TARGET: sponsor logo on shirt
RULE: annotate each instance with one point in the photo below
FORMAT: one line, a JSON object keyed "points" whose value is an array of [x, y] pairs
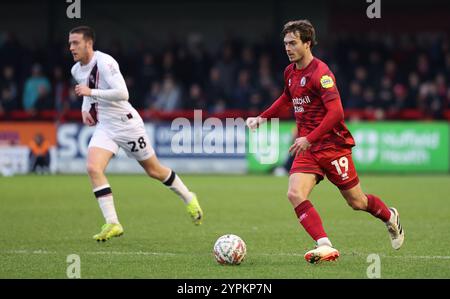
{"points": [[299, 102], [326, 81]]}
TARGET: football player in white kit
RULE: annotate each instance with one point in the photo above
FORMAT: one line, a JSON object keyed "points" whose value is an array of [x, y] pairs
{"points": [[118, 124]]}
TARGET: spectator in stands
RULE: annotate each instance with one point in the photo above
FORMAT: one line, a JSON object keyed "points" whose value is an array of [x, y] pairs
{"points": [[400, 99], [39, 154], [36, 91], [385, 94], [200, 60], [274, 93], [147, 72], [375, 66], [390, 70], [168, 64], [196, 98], [266, 78], [8, 90], [255, 103], [413, 87], [447, 65], [242, 91], [354, 99], [248, 60], [169, 97], [361, 76], [74, 102], [441, 86], [423, 68], [45, 100], [151, 95], [227, 68], [60, 91], [429, 101], [369, 101], [215, 91], [374, 70]]}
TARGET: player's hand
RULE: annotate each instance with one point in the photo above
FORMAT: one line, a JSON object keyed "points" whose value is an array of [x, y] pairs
{"points": [[88, 120], [82, 91], [253, 122], [300, 145]]}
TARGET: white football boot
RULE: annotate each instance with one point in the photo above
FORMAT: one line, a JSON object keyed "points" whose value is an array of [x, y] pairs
{"points": [[321, 253], [395, 230]]}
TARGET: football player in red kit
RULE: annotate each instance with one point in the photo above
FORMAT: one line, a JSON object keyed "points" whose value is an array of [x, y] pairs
{"points": [[324, 144]]}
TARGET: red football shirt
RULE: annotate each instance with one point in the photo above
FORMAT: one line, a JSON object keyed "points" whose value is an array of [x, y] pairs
{"points": [[313, 94]]}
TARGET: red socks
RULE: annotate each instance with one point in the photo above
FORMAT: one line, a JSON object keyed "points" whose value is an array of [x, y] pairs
{"points": [[310, 220], [377, 208]]}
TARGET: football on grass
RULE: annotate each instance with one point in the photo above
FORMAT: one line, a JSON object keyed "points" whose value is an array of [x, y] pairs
{"points": [[230, 250]]}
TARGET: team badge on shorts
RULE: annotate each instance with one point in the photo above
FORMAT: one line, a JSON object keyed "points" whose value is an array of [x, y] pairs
{"points": [[326, 81], [303, 81]]}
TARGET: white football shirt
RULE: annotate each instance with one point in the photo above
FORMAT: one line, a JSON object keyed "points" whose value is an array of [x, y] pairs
{"points": [[110, 93]]}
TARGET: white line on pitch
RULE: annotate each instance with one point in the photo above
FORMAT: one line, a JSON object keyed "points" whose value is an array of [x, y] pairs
{"points": [[21, 251], [92, 252]]}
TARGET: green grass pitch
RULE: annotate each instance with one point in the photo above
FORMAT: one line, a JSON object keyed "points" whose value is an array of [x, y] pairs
{"points": [[46, 218]]}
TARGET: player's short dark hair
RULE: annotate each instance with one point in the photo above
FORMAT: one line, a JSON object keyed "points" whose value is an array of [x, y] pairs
{"points": [[303, 28], [88, 32]]}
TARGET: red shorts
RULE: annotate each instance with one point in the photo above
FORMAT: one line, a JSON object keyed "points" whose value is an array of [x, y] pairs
{"points": [[335, 163]]}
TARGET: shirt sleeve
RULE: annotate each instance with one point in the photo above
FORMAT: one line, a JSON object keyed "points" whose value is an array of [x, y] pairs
{"points": [[86, 106], [282, 104], [326, 88], [334, 115], [325, 85], [110, 72]]}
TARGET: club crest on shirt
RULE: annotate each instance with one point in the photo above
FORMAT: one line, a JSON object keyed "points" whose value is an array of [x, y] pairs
{"points": [[303, 81], [326, 81]]}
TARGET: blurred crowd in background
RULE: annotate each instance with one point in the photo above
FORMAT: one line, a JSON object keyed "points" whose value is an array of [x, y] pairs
{"points": [[382, 73]]}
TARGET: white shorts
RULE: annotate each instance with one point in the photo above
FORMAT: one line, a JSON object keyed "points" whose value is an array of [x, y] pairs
{"points": [[133, 140]]}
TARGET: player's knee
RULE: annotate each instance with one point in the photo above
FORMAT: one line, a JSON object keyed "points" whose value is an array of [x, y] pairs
{"points": [[154, 173], [295, 196], [356, 203], [93, 170]]}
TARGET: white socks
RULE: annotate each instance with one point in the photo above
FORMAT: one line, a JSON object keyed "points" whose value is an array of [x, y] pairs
{"points": [[392, 218], [324, 241], [105, 198], [176, 185], [105, 201]]}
